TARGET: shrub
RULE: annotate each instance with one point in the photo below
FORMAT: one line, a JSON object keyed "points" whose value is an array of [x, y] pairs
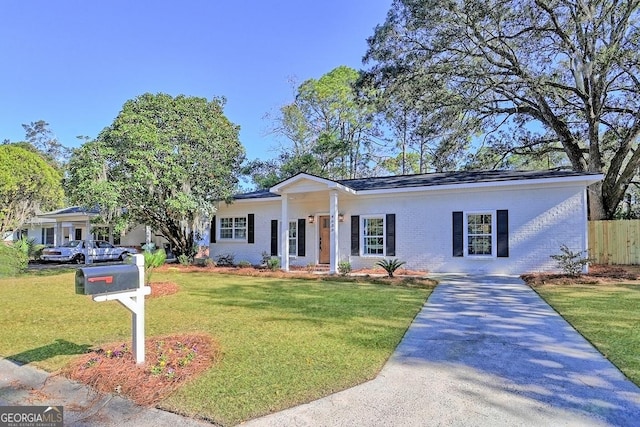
{"points": [[570, 262], [244, 264], [153, 259], [266, 256], [273, 263], [12, 260], [344, 267], [29, 247], [184, 259], [390, 265], [224, 260]]}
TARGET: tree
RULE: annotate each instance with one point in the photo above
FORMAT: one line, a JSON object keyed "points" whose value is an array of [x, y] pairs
{"points": [[163, 162], [28, 185], [553, 75], [42, 138], [331, 130]]}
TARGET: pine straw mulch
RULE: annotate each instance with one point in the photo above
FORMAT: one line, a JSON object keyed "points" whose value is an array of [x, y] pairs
{"points": [[598, 274], [170, 361], [162, 289], [402, 277]]}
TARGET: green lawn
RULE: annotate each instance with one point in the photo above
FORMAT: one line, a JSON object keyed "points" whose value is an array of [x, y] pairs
{"points": [[284, 341], [607, 315]]}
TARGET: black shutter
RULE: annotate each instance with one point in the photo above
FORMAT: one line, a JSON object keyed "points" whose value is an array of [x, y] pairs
{"points": [[274, 237], [212, 236], [251, 222], [502, 220], [391, 234], [44, 242], [355, 235], [458, 234], [301, 237]]}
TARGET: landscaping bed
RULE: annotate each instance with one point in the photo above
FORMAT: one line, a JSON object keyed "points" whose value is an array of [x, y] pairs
{"points": [[597, 274]]}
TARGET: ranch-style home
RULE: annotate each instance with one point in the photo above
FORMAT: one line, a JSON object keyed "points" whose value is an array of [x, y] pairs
{"points": [[496, 222]]}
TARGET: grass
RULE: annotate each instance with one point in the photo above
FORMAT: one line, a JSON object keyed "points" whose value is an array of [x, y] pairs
{"points": [[607, 315], [284, 341]]}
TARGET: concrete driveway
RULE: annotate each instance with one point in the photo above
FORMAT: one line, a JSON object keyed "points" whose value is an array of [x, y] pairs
{"points": [[484, 351]]}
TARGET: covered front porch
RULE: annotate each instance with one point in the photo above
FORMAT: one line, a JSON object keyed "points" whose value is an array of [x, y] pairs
{"points": [[310, 203], [74, 223]]}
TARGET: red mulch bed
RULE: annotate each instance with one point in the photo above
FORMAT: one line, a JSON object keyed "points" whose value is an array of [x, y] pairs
{"points": [[597, 274], [169, 362]]}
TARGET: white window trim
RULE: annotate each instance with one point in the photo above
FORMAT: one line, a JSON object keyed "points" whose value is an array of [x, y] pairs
{"points": [[494, 238], [363, 237], [295, 247], [231, 239]]}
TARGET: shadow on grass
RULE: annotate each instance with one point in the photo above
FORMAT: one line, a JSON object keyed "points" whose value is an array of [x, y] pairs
{"points": [[375, 315], [58, 348]]}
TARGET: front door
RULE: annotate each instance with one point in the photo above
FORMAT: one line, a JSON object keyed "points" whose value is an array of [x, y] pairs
{"points": [[325, 240]]}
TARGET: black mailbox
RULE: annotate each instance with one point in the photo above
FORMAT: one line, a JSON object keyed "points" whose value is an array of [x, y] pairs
{"points": [[106, 279]]}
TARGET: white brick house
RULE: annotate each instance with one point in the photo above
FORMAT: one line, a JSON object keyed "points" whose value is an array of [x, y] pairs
{"points": [[501, 222]]}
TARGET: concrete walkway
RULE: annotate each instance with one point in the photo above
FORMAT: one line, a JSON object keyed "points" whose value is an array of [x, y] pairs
{"points": [[484, 351]]}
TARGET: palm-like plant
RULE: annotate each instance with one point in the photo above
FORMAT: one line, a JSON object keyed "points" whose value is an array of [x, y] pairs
{"points": [[390, 265], [153, 259]]}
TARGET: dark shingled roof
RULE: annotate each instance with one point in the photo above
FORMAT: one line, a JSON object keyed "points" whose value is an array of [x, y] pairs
{"points": [[435, 179], [72, 210], [453, 178], [260, 194]]}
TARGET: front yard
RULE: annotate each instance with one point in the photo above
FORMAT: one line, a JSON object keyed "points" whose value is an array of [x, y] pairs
{"points": [[607, 314], [283, 341]]}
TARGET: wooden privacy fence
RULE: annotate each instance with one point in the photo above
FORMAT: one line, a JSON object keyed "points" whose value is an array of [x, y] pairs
{"points": [[614, 242]]}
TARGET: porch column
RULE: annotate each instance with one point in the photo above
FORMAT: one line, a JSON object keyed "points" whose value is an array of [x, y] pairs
{"points": [[334, 252], [57, 235], [88, 243], [284, 234]]}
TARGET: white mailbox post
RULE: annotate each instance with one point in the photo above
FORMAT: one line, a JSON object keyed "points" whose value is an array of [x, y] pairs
{"points": [[132, 299]]}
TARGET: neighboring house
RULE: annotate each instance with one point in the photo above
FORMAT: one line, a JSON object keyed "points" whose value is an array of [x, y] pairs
{"points": [[502, 222], [74, 223]]}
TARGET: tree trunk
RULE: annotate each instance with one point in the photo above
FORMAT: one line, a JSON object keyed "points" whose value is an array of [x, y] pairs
{"points": [[597, 208]]}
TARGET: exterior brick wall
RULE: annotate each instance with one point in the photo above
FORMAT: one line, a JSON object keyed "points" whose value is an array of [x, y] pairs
{"points": [[541, 219]]}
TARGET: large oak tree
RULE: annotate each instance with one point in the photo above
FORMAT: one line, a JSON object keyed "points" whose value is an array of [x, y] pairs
{"points": [[537, 76], [163, 162]]}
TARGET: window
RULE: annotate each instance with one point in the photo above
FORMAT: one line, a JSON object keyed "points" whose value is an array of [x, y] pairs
{"points": [[101, 233], [373, 236], [293, 238], [480, 235], [233, 228], [48, 236]]}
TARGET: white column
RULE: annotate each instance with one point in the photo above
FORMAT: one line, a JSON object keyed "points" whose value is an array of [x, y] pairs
{"points": [[88, 243], [284, 234], [57, 235], [335, 253]]}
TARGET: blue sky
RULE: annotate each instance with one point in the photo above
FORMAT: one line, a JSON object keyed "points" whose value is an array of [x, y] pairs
{"points": [[73, 63]]}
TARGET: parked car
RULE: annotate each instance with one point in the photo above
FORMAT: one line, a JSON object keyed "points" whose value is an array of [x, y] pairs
{"points": [[74, 251]]}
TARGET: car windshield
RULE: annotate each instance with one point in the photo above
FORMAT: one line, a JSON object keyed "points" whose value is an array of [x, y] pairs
{"points": [[72, 244]]}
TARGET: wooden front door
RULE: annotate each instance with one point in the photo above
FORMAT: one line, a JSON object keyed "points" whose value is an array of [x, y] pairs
{"points": [[324, 241]]}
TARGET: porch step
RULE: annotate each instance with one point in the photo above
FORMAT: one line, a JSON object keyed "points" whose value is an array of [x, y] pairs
{"points": [[312, 268]]}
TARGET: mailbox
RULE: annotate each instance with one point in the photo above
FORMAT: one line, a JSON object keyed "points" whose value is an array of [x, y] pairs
{"points": [[107, 279]]}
